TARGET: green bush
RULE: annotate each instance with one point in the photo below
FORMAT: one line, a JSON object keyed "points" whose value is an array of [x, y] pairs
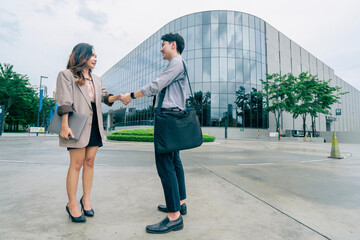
{"points": [[143, 135]]}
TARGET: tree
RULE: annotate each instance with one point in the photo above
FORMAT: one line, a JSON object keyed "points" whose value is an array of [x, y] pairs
{"points": [[279, 93], [20, 99], [324, 97]]}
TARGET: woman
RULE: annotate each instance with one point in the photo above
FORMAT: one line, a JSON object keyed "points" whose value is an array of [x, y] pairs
{"points": [[77, 89]]}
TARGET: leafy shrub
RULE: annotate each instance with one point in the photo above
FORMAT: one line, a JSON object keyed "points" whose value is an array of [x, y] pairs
{"points": [[143, 135]]}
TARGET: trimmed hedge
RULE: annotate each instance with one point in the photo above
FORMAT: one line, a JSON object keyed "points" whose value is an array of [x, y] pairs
{"points": [[143, 135]]}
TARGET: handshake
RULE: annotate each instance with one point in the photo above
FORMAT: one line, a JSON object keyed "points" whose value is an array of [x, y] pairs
{"points": [[124, 98]]}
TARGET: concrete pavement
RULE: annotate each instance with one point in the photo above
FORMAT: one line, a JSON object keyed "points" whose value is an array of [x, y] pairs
{"points": [[237, 189]]}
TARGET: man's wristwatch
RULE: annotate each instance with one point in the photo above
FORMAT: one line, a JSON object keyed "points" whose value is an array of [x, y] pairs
{"points": [[132, 95]]}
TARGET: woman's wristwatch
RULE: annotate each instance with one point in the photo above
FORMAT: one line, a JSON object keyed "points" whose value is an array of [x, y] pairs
{"points": [[132, 95]]}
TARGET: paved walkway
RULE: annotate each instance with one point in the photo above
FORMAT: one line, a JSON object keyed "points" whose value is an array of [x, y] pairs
{"points": [[237, 189]]}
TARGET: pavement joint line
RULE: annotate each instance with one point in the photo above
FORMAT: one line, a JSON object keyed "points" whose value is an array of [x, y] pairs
{"points": [[254, 164], [43, 163], [261, 200]]}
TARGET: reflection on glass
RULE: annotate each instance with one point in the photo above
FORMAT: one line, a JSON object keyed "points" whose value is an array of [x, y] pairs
{"points": [[246, 41], [223, 69], [239, 36], [206, 36], [198, 37], [206, 69], [222, 36], [214, 69], [214, 35], [222, 17], [231, 70], [230, 36]]}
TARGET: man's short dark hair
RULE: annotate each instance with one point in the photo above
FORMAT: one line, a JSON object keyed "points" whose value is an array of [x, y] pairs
{"points": [[171, 37]]}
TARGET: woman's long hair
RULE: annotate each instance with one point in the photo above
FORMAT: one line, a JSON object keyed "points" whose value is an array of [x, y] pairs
{"points": [[81, 53]]}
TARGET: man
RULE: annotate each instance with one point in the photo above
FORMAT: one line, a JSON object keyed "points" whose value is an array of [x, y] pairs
{"points": [[169, 165]]}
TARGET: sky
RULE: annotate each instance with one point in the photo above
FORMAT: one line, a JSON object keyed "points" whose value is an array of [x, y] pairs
{"points": [[37, 37]]}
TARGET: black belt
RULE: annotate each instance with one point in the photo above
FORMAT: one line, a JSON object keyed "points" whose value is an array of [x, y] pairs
{"points": [[173, 109]]}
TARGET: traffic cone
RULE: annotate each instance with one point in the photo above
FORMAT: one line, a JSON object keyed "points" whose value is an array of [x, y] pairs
{"points": [[335, 151]]}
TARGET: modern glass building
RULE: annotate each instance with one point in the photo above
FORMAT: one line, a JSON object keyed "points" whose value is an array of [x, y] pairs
{"points": [[227, 53]]}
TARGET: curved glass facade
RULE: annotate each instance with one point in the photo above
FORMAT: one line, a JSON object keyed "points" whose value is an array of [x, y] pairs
{"points": [[226, 56]]}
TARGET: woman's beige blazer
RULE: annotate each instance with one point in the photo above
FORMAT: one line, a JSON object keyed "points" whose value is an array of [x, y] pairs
{"points": [[72, 97]]}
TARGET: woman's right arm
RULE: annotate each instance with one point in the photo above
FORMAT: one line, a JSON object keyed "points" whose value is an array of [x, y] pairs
{"points": [[65, 130], [64, 99]]}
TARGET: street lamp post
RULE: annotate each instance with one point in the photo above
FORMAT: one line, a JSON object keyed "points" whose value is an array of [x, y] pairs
{"points": [[41, 77]]}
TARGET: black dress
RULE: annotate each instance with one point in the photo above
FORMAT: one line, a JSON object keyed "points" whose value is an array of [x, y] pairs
{"points": [[95, 137]]}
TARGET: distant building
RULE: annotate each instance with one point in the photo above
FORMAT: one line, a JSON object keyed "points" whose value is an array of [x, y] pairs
{"points": [[227, 52]]}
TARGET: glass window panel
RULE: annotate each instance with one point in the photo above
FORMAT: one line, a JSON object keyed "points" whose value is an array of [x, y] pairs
{"points": [[198, 53], [191, 20], [191, 54], [231, 70], [230, 36], [206, 69], [198, 87], [246, 54], [223, 88], [245, 19], [223, 101], [263, 43], [214, 52], [206, 18], [246, 71], [231, 52], [223, 52], [190, 41], [206, 87], [239, 53], [222, 17], [238, 18], [230, 17], [172, 26], [252, 39], [215, 87], [177, 24], [206, 52], [251, 21], [231, 87], [214, 69], [214, 35], [239, 70], [258, 41], [198, 37], [253, 72], [191, 70], [184, 21], [215, 116], [239, 36], [198, 70], [258, 73], [206, 36], [223, 69], [214, 17], [214, 100], [198, 18], [262, 26], [258, 57], [222, 35], [257, 23], [252, 56]]}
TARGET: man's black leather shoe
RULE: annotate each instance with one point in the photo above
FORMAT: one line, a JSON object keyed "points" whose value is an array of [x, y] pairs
{"points": [[166, 226], [183, 209]]}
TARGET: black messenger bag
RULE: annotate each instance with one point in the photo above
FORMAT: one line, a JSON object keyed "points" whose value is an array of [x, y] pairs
{"points": [[176, 129]]}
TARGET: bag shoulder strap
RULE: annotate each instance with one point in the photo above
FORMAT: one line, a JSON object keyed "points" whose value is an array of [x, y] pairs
{"points": [[163, 91]]}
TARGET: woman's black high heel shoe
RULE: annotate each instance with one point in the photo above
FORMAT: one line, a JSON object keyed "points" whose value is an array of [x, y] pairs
{"points": [[82, 218], [89, 213]]}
